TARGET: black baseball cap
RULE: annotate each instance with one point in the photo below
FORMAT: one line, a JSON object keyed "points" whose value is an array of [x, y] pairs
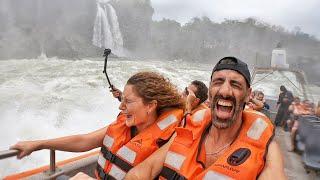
{"points": [[235, 64]]}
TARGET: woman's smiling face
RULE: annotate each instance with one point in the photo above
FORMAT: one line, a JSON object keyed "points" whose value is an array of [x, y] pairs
{"points": [[133, 106]]}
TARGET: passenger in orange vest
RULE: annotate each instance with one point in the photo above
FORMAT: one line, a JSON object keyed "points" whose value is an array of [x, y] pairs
{"points": [[225, 142], [317, 111], [255, 103], [304, 108], [294, 109], [195, 95], [151, 108]]}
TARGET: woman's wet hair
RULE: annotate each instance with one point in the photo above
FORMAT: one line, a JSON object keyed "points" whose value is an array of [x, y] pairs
{"points": [[153, 86]]}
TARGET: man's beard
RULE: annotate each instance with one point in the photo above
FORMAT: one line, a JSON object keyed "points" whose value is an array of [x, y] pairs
{"points": [[226, 123]]}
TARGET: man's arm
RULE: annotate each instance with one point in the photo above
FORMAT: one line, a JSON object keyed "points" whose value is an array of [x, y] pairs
{"points": [[151, 167], [274, 164], [191, 100]]}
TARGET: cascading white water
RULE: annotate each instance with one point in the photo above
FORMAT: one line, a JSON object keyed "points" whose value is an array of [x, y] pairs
{"points": [[106, 31], [117, 36]]}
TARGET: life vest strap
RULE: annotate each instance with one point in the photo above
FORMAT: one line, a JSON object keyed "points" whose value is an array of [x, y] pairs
{"points": [[102, 175], [171, 174], [114, 159]]}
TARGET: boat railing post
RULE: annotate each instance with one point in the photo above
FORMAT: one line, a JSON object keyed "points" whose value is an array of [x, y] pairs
{"points": [[52, 161]]}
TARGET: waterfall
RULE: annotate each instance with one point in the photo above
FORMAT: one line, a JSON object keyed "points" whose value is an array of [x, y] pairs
{"points": [[106, 30], [117, 36]]}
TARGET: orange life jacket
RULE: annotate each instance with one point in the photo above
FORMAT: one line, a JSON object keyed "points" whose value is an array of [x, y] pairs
{"points": [[244, 159], [199, 107], [120, 152]]}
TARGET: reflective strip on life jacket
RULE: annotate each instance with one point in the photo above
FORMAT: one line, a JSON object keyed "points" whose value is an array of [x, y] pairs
{"points": [[174, 159], [256, 129], [199, 115], [101, 160], [215, 175], [127, 154], [108, 141], [117, 173], [163, 124]]}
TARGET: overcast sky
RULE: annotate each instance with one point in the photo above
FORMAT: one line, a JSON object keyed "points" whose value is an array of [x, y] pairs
{"points": [[287, 13]]}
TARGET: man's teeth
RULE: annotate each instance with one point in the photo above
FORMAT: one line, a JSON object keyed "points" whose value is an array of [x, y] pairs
{"points": [[224, 103]]}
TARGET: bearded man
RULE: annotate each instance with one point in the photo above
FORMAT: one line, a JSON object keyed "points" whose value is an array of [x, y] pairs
{"points": [[223, 142]]}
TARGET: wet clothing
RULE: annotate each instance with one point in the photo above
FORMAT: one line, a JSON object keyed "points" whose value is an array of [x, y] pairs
{"points": [[244, 159], [284, 101], [121, 150]]}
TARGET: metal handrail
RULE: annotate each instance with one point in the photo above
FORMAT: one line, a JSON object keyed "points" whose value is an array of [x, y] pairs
{"points": [[53, 171], [8, 153], [13, 152]]}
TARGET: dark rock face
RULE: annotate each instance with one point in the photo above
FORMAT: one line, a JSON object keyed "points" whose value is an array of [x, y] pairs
{"points": [[135, 18]]}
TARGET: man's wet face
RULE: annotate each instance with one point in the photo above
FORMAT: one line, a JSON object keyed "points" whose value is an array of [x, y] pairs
{"points": [[228, 93]]}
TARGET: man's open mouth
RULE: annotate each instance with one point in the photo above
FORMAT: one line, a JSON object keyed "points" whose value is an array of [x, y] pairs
{"points": [[224, 108]]}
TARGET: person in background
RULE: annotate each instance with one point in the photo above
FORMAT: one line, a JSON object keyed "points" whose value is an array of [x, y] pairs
{"points": [[151, 108], [283, 103], [293, 108], [195, 95], [304, 108], [260, 97], [317, 111], [254, 102]]}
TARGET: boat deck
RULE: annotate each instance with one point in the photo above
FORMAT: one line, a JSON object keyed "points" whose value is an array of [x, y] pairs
{"points": [[294, 168]]}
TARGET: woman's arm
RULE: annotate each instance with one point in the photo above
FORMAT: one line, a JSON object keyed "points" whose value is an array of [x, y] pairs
{"points": [[73, 143]]}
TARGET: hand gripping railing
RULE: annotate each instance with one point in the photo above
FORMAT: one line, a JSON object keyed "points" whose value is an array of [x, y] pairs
{"points": [[12, 152], [8, 153]]}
